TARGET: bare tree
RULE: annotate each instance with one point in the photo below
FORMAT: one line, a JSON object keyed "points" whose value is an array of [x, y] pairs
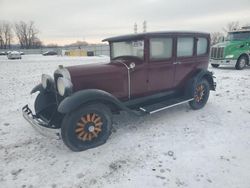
{"points": [[1, 36], [27, 34], [6, 34], [231, 26], [216, 37]]}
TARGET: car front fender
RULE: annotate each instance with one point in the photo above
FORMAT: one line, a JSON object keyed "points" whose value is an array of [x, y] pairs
{"points": [[80, 98], [38, 87]]}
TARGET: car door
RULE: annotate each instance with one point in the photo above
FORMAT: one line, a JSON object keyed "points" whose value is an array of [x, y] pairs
{"points": [[185, 61], [160, 66]]}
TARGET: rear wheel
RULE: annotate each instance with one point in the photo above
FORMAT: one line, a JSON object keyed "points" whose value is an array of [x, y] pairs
{"points": [[201, 94], [215, 65], [86, 127], [241, 62]]}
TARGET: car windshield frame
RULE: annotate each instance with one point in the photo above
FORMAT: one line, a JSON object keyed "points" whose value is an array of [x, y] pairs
{"points": [[238, 36], [137, 44]]}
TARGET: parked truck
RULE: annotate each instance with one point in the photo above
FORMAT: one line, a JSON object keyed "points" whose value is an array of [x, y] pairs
{"points": [[234, 50]]}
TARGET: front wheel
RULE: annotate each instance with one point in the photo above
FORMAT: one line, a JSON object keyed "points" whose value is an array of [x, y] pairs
{"points": [[201, 95], [241, 62], [86, 127]]}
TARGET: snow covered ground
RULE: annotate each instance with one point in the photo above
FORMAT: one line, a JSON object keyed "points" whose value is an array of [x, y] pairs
{"points": [[177, 147]]}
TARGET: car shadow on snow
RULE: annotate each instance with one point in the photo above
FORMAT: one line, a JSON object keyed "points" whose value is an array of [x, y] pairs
{"points": [[125, 122]]}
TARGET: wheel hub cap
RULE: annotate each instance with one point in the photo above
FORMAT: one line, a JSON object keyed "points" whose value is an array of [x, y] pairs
{"points": [[242, 63], [91, 128]]}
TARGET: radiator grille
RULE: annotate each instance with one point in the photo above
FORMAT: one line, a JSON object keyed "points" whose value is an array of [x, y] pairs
{"points": [[217, 52]]}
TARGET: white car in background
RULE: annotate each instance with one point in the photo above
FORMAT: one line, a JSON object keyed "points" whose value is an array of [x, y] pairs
{"points": [[14, 55]]}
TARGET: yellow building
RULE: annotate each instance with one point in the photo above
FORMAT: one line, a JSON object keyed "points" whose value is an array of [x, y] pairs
{"points": [[76, 52]]}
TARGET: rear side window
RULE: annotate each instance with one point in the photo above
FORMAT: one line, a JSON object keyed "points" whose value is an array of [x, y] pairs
{"points": [[161, 48], [201, 46], [185, 46]]}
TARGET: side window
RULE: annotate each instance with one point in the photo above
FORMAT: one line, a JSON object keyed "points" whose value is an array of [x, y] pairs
{"points": [[161, 48], [185, 46], [201, 46]]}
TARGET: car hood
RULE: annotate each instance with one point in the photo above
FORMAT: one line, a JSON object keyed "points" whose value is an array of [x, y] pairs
{"points": [[110, 77], [90, 69], [228, 44]]}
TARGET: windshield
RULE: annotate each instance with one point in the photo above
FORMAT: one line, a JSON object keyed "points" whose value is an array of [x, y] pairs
{"points": [[238, 36], [128, 48]]}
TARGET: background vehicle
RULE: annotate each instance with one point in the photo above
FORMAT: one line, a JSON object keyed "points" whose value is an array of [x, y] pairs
{"points": [[14, 55], [3, 53], [148, 73], [49, 53], [235, 50]]}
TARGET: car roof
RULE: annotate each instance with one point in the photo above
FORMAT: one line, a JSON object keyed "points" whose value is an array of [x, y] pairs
{"points": [[151, 34]]}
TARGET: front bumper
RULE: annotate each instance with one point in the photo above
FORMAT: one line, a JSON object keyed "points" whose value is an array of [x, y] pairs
{"points": [[40, 125], [223, 61]]}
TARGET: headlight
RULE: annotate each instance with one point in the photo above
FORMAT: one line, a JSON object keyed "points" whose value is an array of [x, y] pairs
{"points": [[64, 86], [47, 81], [229, 56]]}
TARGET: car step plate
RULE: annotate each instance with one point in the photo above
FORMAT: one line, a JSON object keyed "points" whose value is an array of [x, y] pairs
{"points": [[157, 107]]}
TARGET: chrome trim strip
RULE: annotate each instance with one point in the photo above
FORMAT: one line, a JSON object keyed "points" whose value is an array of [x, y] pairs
{"points": [[166, 107], [129, 80]]}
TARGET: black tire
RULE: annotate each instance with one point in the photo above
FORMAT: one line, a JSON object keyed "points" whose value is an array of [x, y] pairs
{"points": [[241, 62], [215, 65], [201, 92], [79, 132]]}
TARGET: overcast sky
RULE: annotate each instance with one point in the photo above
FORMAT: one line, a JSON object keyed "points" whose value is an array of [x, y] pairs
{"points": [[65, 21]]}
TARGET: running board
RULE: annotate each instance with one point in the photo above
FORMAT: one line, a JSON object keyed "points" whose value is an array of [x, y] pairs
{"points": [[151, 109]]}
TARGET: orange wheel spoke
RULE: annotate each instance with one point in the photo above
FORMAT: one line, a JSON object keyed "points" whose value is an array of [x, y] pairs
{"points": [[94, 134], [81, 134], [80, 124], [85, 136], [98, 124], [88, 118], [97, 119], [98, 129], [93, 117], [90, 137], [84, 120], [79, 129]]}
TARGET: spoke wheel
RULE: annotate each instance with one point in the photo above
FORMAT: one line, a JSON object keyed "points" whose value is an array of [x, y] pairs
{"points": [[88, 127], [201, 93], [241, 62]]}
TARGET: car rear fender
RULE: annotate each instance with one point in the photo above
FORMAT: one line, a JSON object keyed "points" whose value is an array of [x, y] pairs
{"points": [[90, 96], [200, 74], [205, 74]]}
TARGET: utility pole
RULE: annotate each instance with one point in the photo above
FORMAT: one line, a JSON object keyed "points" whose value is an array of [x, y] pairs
{"points": [[144, 26], [135, 28]]}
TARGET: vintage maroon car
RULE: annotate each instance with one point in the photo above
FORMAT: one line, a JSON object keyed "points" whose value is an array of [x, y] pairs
{"points": [[147, 73]]}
